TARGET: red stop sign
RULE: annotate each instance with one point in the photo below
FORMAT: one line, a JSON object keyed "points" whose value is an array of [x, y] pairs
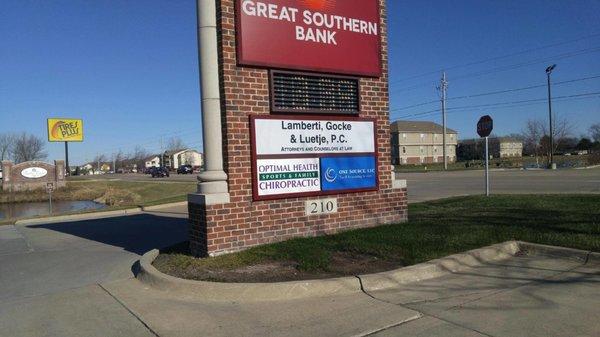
{"points": [[485, 126]]}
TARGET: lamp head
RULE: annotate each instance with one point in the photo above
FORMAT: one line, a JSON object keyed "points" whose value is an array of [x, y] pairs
{"points": [[550, 68]]}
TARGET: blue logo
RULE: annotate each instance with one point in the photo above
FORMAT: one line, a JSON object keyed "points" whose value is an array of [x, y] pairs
{"points": [[348, 173]]}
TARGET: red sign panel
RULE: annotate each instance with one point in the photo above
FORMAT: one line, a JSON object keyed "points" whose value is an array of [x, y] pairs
{"points": [[333, 36], [485, 126]]}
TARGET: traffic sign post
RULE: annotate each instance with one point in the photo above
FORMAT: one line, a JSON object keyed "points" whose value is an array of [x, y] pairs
{"points": [[50, 189], [484, 129]]}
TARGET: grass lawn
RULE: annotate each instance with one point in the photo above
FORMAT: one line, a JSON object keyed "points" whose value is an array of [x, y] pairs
{"points": [[116, 193], [435, 229]]}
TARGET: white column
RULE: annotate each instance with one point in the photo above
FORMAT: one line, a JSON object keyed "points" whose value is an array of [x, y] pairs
{"points": [[212, 183]]}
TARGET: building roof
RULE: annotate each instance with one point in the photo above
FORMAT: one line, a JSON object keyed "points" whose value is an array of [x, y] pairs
{"points": [[172, 152], [509, 140], [419, 126], [149, 158], [499, 139]]}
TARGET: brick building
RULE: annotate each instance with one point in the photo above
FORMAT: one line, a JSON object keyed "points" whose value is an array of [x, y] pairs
{"points": [[421, 142], [241, 222]]}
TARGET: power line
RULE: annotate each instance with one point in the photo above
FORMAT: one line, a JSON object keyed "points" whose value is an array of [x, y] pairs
{"points": [[531, 62], [500, 92], [511, 67], [499, 57], [512, 103], [516, 105]]}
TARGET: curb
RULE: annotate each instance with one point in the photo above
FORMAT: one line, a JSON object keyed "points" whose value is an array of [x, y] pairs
{"points": [[259, 292], [161, 206], [439, 267], [583, 256], [587, 167], [218, 291], [222, 292], [78, 217]]}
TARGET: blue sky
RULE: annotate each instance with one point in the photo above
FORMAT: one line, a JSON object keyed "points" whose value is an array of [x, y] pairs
{"points": [[129, 68]]}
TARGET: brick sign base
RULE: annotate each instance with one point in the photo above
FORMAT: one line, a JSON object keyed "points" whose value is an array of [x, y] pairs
{"points": [[243, 222], [13, 179]]}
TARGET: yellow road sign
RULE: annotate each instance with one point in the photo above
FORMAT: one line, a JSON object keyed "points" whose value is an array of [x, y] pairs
{"points": [[65, 130]]}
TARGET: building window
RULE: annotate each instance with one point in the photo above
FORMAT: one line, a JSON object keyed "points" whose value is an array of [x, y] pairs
{"points": [[404, 149], [422, 136], [435, 149], [421, 148], [404, 135]]}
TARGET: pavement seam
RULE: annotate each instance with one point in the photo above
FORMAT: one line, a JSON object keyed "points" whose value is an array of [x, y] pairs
{"points": [[24, 238], [443, 298], [509, 289], [420, 315], [387, 327], [129, 310], [459, 325]]}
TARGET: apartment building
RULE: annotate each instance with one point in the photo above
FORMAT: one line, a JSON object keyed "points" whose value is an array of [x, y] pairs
{"points": [[421, 142]]}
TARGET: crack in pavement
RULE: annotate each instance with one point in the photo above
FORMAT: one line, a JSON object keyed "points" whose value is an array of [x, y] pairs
{"points": [[129, 310]]}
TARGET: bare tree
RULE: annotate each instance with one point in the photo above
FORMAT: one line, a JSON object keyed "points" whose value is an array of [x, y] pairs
{"points": [[175, 143], [118, 159], [595, 132], [7, 142], [98, 161], [532, 134], [561, 131], [138, 156], [28, 147]]}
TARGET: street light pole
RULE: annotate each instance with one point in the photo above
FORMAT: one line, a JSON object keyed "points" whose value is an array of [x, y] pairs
{"points": [[548, 72]]}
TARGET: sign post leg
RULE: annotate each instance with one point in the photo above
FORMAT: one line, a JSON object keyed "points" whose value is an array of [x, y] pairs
{"points": [[50, 202], [67, 159], [487, 168]]}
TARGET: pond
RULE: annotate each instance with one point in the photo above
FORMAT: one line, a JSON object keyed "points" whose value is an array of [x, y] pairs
{"points": [[35, 209]]}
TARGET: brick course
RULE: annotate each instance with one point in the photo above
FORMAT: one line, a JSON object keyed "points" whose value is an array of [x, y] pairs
{"points": [[243, 223]]}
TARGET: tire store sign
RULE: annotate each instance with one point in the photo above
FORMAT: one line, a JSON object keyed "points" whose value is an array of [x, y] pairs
{"points": [[311, 156]]}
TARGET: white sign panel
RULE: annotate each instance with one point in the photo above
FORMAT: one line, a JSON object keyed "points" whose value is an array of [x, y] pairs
{"points": [[291, 136], [287, 176], [34, 172]]}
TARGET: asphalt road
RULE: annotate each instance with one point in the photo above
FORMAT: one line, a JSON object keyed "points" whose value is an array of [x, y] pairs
{"points": [[436, 185]]}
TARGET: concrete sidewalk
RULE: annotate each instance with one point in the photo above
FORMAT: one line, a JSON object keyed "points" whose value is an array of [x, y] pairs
{"points": [[527, 295], [76, 279]]}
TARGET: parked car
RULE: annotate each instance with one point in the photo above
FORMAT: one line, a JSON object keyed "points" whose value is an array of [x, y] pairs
{"points": [[185, 169], [159, 172]]}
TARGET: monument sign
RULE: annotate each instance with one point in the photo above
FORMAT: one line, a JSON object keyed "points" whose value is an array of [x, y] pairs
{"points": [[295, 117]]}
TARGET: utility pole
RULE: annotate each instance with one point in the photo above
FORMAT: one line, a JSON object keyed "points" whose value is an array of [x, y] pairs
{"points": [[551, 155], [443, 88], [98, 164], [162, 153]]}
